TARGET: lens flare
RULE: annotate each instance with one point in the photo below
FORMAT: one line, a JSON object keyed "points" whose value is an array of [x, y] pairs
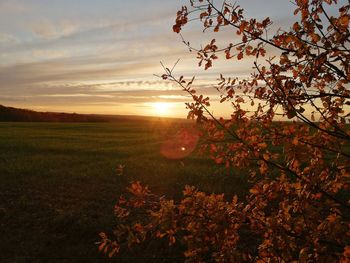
{"points": [[181, 144]]}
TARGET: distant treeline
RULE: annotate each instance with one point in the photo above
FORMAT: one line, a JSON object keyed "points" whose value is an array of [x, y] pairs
{"points": [[24, 115], [14, 114]]}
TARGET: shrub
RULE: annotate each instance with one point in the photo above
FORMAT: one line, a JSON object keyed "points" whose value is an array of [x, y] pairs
{"points": [[298, 207]]}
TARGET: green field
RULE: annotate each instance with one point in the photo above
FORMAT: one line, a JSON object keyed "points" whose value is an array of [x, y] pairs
{"points": [[58, 184]]}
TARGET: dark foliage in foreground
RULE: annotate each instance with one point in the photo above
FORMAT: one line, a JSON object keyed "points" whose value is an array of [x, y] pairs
{"points": [[298, 206]]}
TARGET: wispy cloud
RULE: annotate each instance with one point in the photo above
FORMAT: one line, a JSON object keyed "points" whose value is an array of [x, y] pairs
{"points": [[7, 39], [99, 55], [13, 7], [49, 30]]}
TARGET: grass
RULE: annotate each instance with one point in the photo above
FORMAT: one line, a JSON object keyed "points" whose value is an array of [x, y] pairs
{"points": [[58, 183]]}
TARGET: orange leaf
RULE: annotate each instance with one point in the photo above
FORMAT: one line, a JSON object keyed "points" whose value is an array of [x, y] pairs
{"points": [[254, 191]]}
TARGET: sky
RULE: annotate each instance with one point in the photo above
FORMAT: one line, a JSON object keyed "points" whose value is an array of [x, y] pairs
{"points": [[100, 57]]}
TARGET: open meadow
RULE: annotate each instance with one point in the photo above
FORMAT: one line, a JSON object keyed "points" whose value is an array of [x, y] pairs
{"points": [[59, 182]]}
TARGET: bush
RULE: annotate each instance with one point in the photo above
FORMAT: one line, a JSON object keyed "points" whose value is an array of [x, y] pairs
{"points": [[298, 207]]}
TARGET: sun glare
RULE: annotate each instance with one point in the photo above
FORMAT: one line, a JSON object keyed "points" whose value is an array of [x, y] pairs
{"points": [[161, 108]]}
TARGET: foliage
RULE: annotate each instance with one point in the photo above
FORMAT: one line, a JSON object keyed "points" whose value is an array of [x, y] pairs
{"points": [[298, 207]]}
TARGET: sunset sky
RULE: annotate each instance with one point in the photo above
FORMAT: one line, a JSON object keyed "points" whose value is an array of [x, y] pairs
{"points": [[90, 56]]}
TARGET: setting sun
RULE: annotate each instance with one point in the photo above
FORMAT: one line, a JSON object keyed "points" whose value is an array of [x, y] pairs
{"points": [[161, 108]]}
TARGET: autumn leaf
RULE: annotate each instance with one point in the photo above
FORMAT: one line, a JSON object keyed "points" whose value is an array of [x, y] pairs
{"points": [[284, 139]]}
